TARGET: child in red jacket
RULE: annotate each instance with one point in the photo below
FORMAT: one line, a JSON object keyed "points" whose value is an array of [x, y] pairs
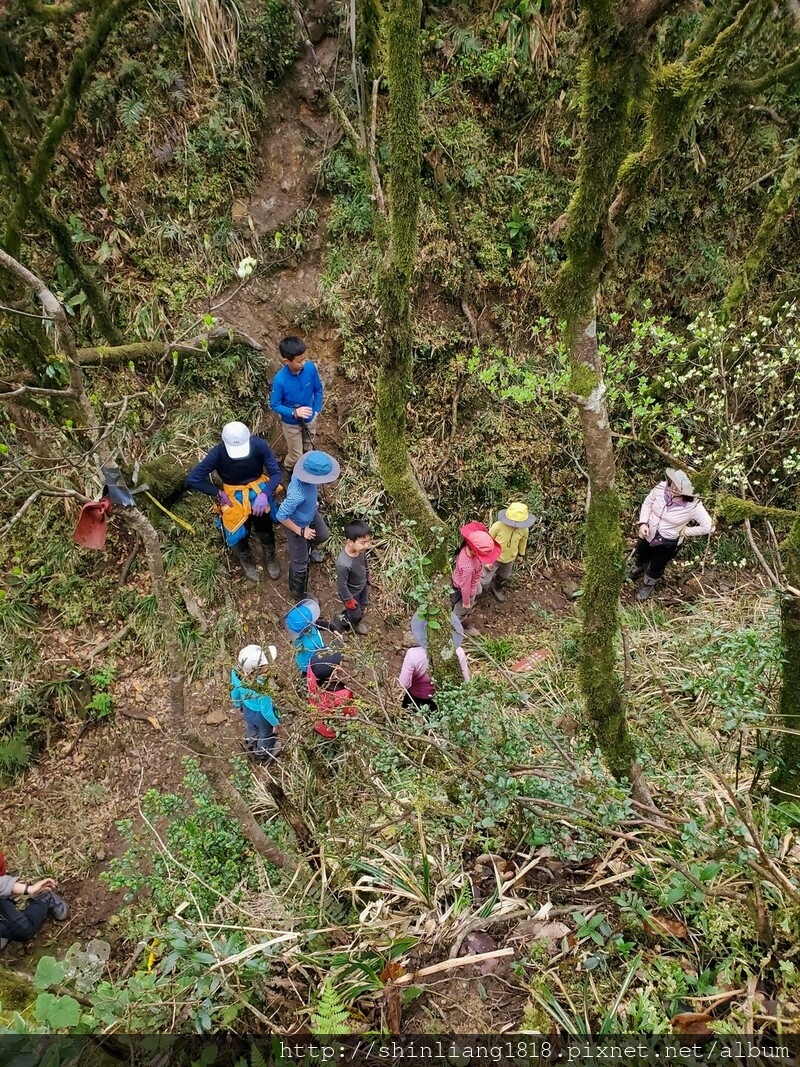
{"points": [[326, 694], [479, 550]]}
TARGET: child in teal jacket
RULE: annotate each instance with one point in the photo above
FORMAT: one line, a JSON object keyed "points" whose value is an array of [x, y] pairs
{"points": [[253, 698]]}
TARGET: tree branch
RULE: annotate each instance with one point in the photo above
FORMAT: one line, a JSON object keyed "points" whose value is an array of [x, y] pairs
{"points": [[62, 117], [768, 80], [54, 13]]}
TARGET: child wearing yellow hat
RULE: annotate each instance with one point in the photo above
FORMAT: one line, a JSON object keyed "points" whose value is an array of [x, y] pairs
{"points": [[511, 533]]}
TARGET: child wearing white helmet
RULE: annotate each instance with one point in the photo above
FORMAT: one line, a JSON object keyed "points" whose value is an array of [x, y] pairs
{"points": [[252, 693]]}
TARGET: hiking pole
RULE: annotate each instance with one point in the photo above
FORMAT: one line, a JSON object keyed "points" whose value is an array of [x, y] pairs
{"points": [[305, 436]]}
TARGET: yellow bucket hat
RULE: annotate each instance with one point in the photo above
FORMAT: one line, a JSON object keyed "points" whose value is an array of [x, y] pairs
{"points": [[516, 514]]}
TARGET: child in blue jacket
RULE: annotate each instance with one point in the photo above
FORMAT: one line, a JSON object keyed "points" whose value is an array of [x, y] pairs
{"points": [[253, 696], [305, 628]]}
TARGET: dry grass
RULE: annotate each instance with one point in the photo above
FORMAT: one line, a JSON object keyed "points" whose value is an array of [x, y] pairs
{"points": [[214, 26]]}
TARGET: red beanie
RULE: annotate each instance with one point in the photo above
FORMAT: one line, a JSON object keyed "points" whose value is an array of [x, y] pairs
{"points": [[2, 864]]}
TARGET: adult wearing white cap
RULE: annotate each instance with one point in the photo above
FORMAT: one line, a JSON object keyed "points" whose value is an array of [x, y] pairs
{"points": [[249, 472], [670, 512]]}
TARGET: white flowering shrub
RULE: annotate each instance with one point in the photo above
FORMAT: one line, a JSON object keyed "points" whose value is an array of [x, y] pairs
{"points": [[723, 400], [716, 398]]}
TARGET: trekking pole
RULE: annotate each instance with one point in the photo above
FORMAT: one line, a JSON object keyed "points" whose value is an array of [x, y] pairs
{"points": [[305, 436]]}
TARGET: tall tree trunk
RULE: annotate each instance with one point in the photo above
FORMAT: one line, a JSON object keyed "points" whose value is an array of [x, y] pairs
{"points": [[610, 74], [403, 73], [62, 116], [782, 200], [610, 187]]}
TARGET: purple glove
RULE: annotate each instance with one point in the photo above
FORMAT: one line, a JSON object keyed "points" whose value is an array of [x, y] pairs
{"points": [[224, 499], [260, 504]]}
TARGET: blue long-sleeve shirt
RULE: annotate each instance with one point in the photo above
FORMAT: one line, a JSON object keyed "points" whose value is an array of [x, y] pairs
{"points": [[236, 471], [300, 504], [290, 391]]}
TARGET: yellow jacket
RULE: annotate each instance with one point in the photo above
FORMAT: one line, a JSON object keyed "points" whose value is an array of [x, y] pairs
{"points": [[514, 540]]}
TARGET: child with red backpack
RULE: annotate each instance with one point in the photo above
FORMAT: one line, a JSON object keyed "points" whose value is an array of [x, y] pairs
{"points": [[326, 694], [478, 550]]}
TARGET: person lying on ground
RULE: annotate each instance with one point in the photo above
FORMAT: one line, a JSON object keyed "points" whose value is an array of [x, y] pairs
{"points": [[670, 513], [352, 575], [24, 924], [250, 474], [414, 678]]}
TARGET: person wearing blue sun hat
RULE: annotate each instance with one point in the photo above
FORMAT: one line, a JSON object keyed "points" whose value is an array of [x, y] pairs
{"points": [[299, 514], [309, 633]]}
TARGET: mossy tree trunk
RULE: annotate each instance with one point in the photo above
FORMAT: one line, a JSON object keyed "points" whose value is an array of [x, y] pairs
{"points": [[610, 74], [403, 73], [611, 188], [782, 200], [108, 17]]}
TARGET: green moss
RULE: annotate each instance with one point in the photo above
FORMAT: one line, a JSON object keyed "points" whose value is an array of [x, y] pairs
{"points": [[16, 992], [582, 379], [600, 612]]}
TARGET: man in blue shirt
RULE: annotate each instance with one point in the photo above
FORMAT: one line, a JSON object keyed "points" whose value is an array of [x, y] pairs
{"points": [[299, 514], [296, 397], [250, 474]]}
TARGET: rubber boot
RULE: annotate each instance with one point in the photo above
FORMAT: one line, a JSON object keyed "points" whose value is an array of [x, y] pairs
{"points": [[497, 592], [243, 554], [644, 590], [298, 584], [317, 555], [271, 565]]}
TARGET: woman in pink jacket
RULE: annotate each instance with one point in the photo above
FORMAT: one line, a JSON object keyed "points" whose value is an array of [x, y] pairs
{"points": [[670, 513], [479, 550]]}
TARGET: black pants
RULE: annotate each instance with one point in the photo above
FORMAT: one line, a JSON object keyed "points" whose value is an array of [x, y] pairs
{"points": [[356, 614], [418, 702], [264, 530], [19, 925], [653, 559]]}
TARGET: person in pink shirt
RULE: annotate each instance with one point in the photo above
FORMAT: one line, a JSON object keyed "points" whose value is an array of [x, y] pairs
{"points": [[670, 513], [414, 675], [479, 550]]}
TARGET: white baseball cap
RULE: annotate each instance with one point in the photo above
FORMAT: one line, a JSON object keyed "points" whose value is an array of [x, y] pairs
{"points": [[236, 438], [253, 656]]}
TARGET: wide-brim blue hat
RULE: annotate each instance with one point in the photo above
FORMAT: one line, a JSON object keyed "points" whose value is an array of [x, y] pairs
{"points": [[301, 616], [316, 468], [419, 628]]}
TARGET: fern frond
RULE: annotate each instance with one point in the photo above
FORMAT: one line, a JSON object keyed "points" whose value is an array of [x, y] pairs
{"points": [[257, 1057], [330, 1015]]}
